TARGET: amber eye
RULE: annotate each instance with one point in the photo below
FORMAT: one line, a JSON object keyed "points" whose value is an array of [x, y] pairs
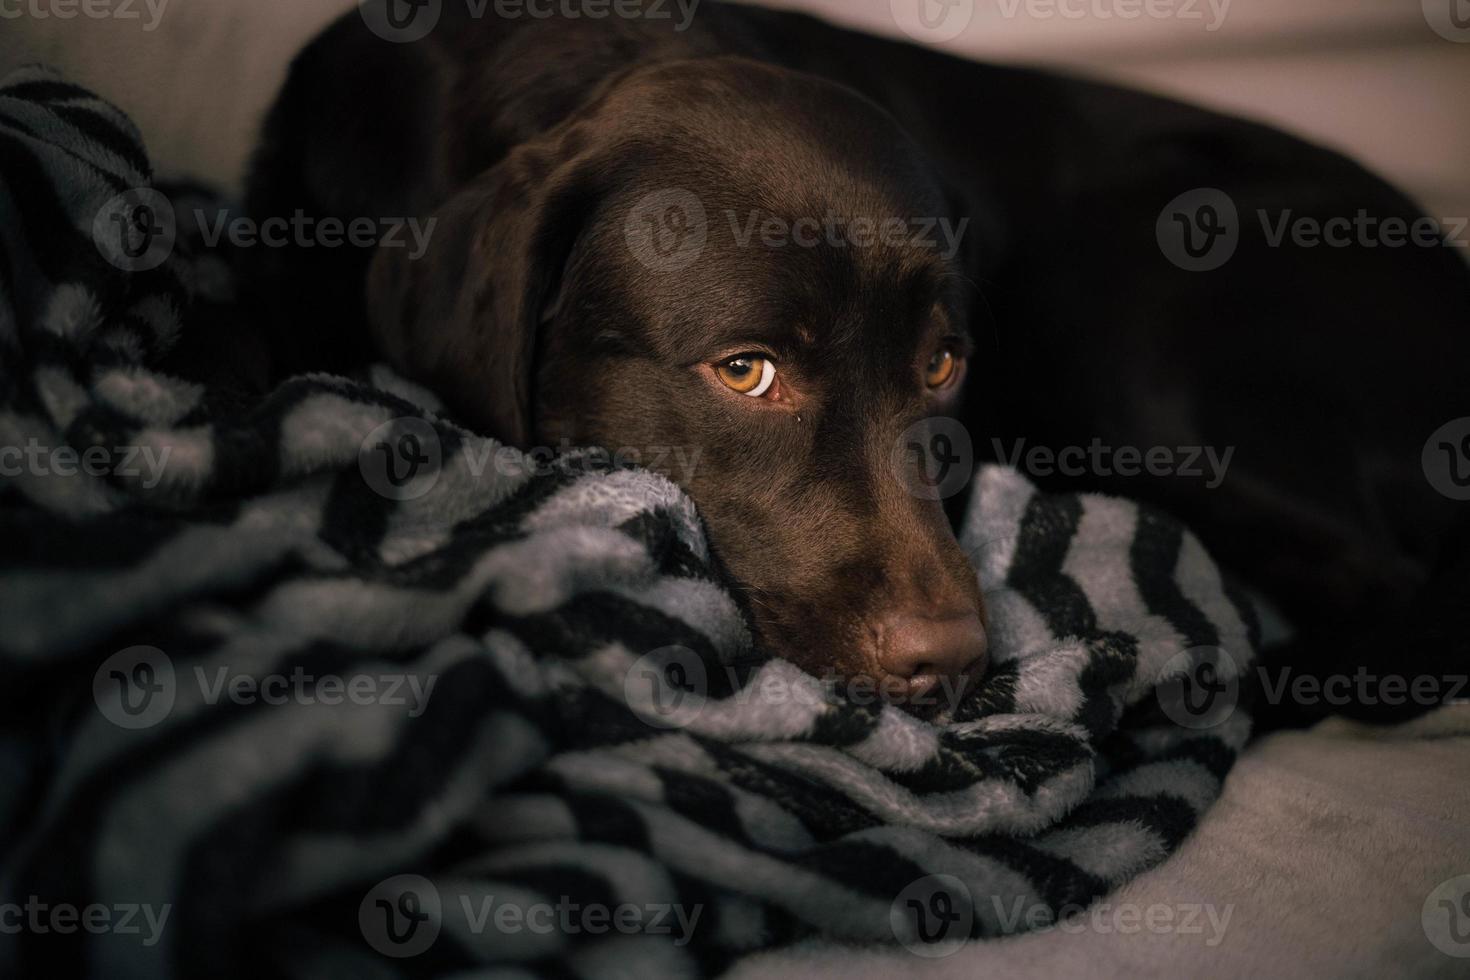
{"points": [[748, 374], [942, 368]]}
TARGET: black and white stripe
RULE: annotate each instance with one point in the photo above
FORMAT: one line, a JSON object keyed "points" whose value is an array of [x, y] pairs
{"points": [[536, 771]]}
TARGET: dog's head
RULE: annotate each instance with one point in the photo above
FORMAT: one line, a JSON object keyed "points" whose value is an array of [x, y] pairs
{"points": [[743, 277]]}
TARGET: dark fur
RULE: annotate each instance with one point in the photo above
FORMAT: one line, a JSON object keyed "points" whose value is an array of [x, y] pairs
{"points": [[1325, 368]]}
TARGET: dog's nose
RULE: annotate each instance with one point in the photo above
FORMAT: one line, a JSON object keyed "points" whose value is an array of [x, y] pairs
{"points": [[928, 661]]}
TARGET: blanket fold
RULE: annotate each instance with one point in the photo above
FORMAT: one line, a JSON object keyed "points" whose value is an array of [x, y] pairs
{"points": [[324, 684]]}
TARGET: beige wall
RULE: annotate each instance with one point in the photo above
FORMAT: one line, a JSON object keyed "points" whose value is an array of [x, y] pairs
{"points": [[1369, 77]]}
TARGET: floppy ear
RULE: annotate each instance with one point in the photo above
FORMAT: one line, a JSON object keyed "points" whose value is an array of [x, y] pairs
{"points": [[462, 317]]}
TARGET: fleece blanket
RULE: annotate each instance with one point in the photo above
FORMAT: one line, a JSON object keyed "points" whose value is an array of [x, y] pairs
{"points": [[1336, 852], [323, 684]]}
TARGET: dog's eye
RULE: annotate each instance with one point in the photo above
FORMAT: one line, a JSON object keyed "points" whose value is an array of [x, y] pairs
{"points": [[747, 374], [942, 368]]}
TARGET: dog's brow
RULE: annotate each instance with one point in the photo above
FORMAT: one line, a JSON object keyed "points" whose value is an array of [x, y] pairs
{"points": [[781, 340], [767, 328]]}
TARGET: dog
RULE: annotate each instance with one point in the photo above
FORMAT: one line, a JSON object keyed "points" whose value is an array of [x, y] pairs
{"points": [[727, 238]]}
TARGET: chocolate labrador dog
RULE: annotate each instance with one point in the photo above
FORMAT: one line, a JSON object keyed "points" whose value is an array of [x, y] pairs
{"points": [[784, 245]]}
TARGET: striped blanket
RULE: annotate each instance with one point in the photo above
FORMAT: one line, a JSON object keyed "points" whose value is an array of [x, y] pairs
{"points": [[322, 684]]}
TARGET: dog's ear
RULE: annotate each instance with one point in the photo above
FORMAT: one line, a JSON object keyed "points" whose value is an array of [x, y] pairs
{"points": [[462, 317]]}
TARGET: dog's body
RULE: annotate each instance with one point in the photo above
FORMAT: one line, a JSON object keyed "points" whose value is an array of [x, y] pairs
{"points": [[1320, 371]]}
